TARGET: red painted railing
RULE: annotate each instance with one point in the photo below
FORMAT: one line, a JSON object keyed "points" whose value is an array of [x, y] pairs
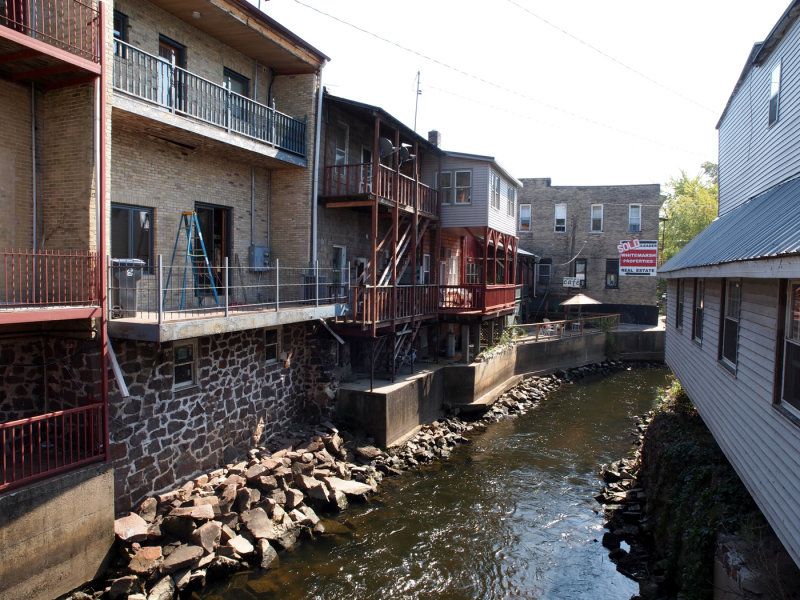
{"points": [[44, 278], [71, 25], [499, 297], [472, 297], [374, 304], [49, 444]]}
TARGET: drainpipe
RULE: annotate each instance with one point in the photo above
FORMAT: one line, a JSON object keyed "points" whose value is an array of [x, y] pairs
{"points": [[252, 206], [100, 195], [315, 186], [269, 210], [33, 160]]}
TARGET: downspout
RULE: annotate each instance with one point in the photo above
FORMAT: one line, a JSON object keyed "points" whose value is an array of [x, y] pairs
{"points": [[315, 185], [33, 161], [269, 210], [252, 206], [100, 148]]}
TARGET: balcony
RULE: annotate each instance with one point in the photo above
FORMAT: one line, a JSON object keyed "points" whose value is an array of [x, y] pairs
{"points": [[48, 285], [187, 96], [345, 182], [477, 298], [182, 302], [53, 41], [384, 304], [45, 445]]}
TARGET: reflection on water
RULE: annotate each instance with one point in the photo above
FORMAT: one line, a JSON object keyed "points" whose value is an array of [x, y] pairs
{"points": [[508, 516]]}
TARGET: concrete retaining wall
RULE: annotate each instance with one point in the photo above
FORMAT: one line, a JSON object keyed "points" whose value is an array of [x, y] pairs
{"points": [[56, 535], [390, 413]]}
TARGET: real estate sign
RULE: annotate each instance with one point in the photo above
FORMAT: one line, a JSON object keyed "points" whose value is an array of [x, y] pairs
{"points": [[638, 257]]}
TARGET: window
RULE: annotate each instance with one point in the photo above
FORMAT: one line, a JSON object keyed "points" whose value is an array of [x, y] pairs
{"points": [[697, 322], [425, 270], [525, 217], [597, 218], [790, 394], [463, 191], [340, 135], [472, 274], [132, 233], [775, 94], [512, 201], [580, 271], [495, 191], [543, 271], [730, 323], [184, 372], [271, 345], [634, 217], [612, 272], [560, 222], [679, 305], [446, 187], [238, 83]]}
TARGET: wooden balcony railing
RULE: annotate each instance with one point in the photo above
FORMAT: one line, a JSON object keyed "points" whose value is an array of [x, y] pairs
{"points": [[44, 278], [45, 445], [156, 80], [71, 25], [356, 179], [477, 297], [376, 304]]}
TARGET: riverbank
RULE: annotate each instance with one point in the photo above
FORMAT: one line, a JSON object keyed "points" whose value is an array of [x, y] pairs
{"points": [[245, 515], [691, 528]]}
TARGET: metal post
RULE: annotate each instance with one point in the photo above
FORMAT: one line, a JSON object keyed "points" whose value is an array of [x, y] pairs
{"points": [[227, 287], [172, 85], [228, 105], [160, 298], [277, 283], [316, 281], [346, 298]]}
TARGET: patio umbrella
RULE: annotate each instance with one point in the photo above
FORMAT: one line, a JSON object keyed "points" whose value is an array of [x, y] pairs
{"points": [[579, 300]]}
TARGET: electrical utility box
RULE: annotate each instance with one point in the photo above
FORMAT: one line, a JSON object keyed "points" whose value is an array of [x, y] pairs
{"points": [[258, 257]]}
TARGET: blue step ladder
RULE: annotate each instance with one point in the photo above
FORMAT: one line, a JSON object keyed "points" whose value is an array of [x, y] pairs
{"points": [[196, 259]]}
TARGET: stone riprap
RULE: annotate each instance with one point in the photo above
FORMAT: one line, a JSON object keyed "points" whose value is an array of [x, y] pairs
{"points": [[242, 515]]}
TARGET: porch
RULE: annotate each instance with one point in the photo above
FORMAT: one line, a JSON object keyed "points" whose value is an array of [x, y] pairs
{"points": [[468, 299], [56, 42], [384, 305]]}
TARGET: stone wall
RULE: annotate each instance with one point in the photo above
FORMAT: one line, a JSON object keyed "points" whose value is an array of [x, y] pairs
{"points": [[579, 242], [161, 436]]}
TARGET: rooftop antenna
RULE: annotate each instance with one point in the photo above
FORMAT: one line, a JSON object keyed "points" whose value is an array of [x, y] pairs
{"points": [[416, 104]]}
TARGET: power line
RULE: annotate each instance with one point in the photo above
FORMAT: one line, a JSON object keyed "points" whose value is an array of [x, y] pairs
{"points": [[610, 57]]}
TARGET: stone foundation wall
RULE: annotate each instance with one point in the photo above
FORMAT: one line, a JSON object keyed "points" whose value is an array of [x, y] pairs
{"points": [[161, 437]]}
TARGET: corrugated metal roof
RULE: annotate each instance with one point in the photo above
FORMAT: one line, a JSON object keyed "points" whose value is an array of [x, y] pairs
{"points": [[766, 226]]}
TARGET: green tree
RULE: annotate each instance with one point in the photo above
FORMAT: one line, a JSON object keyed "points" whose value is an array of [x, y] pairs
{"points": [[690, 206]]}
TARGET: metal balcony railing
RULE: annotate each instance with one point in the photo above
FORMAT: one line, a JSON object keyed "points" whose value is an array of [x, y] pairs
{"points": [[158, 81], [48, 444], [45, 279], [71, 25]]}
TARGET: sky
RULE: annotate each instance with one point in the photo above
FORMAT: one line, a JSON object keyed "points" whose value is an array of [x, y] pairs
{"points": [[585, 92]]}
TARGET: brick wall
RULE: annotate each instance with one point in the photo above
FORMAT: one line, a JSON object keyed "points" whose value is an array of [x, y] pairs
{"points": [[161, 437], [578, 241], [15, 166]]}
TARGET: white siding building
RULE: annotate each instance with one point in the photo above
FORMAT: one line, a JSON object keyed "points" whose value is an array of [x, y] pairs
{"points": [[733, 308]]}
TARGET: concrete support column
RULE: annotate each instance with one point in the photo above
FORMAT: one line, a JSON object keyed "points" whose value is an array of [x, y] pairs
{"points": [[476, 334], [465, 343]]}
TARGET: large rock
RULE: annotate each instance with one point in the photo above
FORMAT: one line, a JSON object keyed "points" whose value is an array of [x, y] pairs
{"points": [[181, 558], [148, 509], [268, 557], [222, 567], [368, 452], [208, 535], [294, 498], [124, 586], [353, 489], [204, 512], [132, 528], [163, 590], [259, 524], [241, 545], [146, 561]]}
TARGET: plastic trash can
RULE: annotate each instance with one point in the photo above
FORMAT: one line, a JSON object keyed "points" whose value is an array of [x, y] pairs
{"points": [[126, 272]]}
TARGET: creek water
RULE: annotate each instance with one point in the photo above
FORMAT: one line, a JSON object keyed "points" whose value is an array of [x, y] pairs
{"points": [[509, 515]]}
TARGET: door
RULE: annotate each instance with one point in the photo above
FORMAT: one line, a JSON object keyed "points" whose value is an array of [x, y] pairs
{"points": [[366, 170], [171, 81], [339, 271], [214, 224]]}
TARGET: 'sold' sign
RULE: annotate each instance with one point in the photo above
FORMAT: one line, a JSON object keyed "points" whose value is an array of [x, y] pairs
{"points": [[638, 257]]}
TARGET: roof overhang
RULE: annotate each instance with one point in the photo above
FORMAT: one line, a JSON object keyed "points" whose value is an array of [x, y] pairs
{"points": [[240, 25]]}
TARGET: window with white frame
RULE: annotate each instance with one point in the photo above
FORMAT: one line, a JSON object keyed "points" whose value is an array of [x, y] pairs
{"points": [[730, 322], [775, 94], [446, 186], [634, 218], [272, 345], [463, 191], [560, 218], [472, 274], [184, 360], [495, 179], [512, 201], [543, 270], [612, 273], [525, 217], [580, 271], [597, 218], [425, 270], [790, 388]]}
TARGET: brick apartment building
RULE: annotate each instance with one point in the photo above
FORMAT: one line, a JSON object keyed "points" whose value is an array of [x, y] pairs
{"points": [[575, 231]]}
